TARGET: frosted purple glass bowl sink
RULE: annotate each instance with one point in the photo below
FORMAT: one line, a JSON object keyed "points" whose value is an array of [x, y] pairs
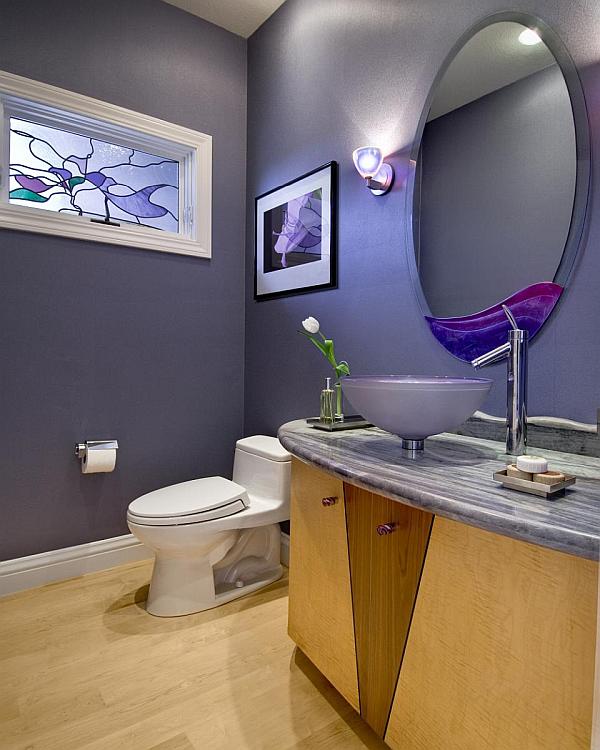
{"points": [[414, 408]]}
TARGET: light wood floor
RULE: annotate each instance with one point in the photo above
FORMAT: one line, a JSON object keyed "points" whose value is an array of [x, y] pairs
{"points": [[83, 666]]}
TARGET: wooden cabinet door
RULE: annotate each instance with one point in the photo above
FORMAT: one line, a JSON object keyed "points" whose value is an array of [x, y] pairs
{"points": [[320, 610], [388, 542], [500, 654]]}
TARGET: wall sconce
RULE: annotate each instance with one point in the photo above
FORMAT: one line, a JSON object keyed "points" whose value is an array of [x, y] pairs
{"points": [[369, 164]]}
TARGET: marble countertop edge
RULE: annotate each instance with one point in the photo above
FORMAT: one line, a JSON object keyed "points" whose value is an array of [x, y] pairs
{"points": [[514, 514]]}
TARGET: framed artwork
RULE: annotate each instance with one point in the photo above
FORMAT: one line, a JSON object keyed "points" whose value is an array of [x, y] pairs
{"points": [[295, 236]]}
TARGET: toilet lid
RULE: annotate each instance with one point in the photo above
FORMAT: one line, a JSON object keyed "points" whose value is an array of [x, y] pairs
{"points": [[193, 501]]}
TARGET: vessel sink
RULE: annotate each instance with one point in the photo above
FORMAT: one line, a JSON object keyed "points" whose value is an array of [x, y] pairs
{"points": [[414, 408]]}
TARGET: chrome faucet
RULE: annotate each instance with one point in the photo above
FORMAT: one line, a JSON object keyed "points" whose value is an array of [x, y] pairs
{"points": [[516, 385]]}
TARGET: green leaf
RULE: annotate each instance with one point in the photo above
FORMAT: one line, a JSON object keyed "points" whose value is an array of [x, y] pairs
{"points": [[327, 350], [75, 181], [22, 194], [319, 345]]}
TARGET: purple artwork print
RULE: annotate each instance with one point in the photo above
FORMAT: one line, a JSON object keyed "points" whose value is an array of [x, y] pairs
{"points": [[292, 232]]}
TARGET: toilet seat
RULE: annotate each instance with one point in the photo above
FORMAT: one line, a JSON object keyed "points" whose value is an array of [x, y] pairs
{"points": [[196, 501]]}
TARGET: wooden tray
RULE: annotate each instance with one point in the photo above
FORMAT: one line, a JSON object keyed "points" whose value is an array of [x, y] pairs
{"points": [[535, 488]]}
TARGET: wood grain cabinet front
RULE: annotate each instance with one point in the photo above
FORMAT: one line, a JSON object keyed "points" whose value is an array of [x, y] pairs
{"points": [[500, 654], [355, 564], [387, 542], [443, 636], [320, 610]]}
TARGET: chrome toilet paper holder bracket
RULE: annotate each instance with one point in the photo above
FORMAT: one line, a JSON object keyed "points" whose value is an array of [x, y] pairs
{"points": [[81, 449]]}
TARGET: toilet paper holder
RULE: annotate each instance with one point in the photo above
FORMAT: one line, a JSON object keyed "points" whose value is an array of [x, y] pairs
{"points": [[81, 449]]}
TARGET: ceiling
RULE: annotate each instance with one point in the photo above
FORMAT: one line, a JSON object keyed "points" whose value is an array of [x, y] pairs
{"points": [[242, 17], [490, 60]]}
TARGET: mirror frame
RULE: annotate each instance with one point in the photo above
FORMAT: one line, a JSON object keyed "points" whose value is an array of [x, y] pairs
{"points": [[582, 141]]}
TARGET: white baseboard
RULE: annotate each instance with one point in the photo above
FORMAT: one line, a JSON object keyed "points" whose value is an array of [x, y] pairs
{"points": [[285, 549], [58, 565], [70, 562]]}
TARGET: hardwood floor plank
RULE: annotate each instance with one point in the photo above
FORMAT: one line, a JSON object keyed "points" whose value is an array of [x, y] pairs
{"points": [[84, 667], [180, 742]]}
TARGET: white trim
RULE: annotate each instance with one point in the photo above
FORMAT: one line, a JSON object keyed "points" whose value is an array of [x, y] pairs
{"points": [[58, 565], [193, 148], [285, 549]]}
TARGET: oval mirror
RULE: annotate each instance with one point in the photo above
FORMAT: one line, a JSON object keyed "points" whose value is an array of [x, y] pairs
{"points": [[499, 189]]}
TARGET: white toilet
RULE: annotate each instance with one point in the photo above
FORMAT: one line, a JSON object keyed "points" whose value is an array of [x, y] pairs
{"points": [[215, 540]]}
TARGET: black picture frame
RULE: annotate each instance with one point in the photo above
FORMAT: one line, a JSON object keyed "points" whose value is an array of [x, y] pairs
{"points": [[313, 195]]}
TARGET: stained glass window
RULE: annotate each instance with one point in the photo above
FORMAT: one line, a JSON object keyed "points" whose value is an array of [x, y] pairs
{"points": [[56, 170], [80, 168]]}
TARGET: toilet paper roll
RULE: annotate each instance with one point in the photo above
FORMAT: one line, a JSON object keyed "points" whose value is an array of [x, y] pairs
{"points": [[99, 460]]}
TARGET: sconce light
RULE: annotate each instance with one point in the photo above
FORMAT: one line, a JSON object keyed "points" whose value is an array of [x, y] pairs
{"points": [[369, 164]]}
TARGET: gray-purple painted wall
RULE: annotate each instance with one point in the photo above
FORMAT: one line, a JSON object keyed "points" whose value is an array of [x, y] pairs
{"points": [[104, 341], [326, 77]]}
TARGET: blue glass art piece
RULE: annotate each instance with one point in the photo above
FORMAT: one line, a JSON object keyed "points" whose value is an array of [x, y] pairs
{"points": [[470, 336], [68, 173]]}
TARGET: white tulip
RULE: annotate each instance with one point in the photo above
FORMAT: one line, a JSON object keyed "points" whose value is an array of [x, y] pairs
{"points": [[311, 325]]}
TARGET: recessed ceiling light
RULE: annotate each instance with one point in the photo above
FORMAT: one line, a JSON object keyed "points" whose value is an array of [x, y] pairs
{"points": [[528, 37]]}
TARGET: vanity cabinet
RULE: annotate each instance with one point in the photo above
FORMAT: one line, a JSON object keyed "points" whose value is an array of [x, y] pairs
{"points": [[442, 635]]}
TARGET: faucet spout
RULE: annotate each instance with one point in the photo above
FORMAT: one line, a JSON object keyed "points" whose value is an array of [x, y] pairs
{"points": [[516, 383]]}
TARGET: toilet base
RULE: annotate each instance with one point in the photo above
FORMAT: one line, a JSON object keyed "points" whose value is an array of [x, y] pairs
{"points": [[243, 561], [171, 609]]}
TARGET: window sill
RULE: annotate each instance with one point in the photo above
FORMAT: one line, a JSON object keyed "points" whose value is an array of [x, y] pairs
{"points": [[37, 221]]}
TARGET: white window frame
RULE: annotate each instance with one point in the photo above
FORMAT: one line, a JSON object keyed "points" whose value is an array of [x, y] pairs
{"points": [[56, 107]]}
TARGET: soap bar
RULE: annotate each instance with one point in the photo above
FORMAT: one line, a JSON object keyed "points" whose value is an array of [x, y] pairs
{"points": [[512, 471], [549, 477], [532, 464]]}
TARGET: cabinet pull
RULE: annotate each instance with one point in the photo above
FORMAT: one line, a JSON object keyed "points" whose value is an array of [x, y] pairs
{"points": [[328, 501], [385, 528]]}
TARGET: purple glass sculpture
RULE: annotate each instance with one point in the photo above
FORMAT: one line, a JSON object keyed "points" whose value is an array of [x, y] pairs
{"points": [[470, 336]]}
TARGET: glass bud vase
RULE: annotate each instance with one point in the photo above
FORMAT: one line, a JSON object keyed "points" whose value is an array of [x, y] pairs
{"points": [[327, 410], [339, 415]]}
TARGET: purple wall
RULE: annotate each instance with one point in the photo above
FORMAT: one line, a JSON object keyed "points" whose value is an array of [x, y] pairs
{"points": [[103, 341], [324, 78]]}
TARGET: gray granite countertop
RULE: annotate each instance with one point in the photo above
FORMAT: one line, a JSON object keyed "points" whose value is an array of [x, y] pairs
{"points": [[453, 478]]}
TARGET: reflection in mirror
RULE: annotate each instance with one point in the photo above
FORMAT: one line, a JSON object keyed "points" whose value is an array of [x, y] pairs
{"points": [[495, 181]]}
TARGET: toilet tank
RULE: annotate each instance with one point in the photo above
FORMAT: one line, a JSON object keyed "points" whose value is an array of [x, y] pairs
{"points": [[263, 466]]}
